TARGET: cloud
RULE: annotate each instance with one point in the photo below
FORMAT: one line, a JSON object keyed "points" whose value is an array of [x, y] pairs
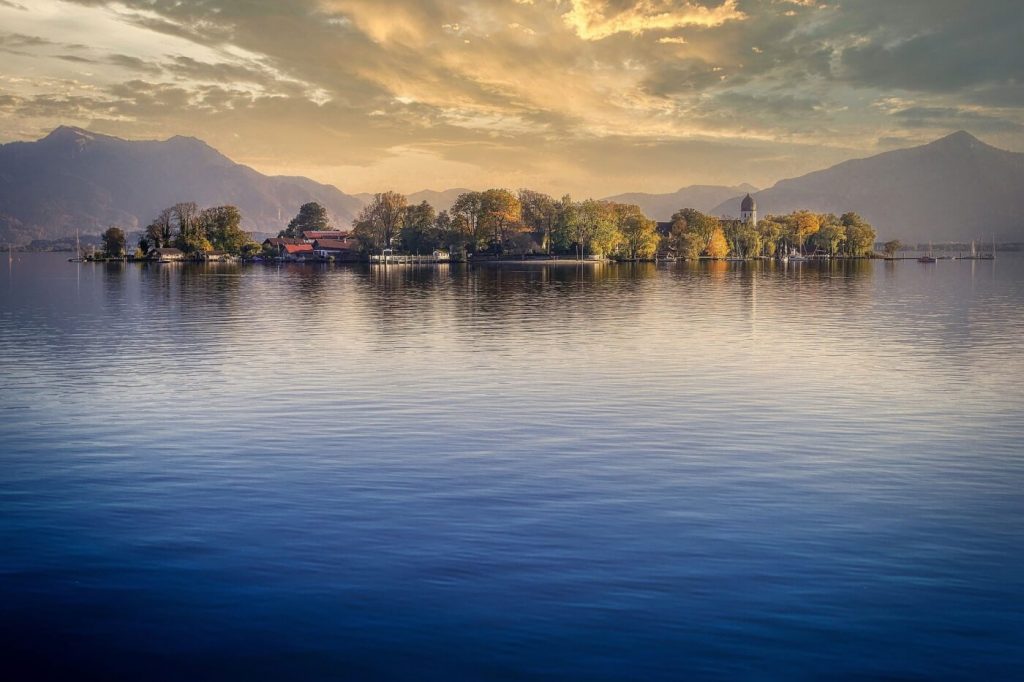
{"points": [[599, 19]]}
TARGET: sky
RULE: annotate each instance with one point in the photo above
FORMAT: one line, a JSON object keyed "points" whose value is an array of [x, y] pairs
{"points": [[592, 97]]}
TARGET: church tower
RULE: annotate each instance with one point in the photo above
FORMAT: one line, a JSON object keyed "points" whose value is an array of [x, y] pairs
{"points": [[748, 210]]}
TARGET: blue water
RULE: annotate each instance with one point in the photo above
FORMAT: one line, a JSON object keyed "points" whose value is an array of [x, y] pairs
{"points": [[722, 472]]}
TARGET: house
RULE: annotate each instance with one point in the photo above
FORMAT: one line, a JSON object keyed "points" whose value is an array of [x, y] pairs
{"points": [[310, 236], [338, 249], [297, 251], [217, 256], [166, 255], [278, 242]]}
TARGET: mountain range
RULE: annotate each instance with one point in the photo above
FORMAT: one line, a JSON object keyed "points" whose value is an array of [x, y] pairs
{"points": [[75, 179], [956, 188]]}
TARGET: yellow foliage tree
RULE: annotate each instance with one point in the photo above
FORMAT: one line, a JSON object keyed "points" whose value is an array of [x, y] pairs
{"points": [[718, 247]]}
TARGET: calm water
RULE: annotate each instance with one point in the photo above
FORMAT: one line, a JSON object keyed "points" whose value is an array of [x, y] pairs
{"points": [[622, 473]]}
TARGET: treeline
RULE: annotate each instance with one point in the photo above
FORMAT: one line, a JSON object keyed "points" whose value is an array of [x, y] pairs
{"points": [[184, 226], [693, 234], [498, 221]]}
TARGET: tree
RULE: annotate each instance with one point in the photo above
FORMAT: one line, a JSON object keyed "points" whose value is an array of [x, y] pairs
{"points": [[160, 232], [114, 242], [770, 231], [466, 212], [799, 226], [830, 235], [500, 214], [590, 227], [419, 232], [311, 217], [539, 214], [748, 240], [860, 236], [892, 246], [191, 235], [223, 228], [718, 247], [638, 233], [378, 224], [692, 231]]}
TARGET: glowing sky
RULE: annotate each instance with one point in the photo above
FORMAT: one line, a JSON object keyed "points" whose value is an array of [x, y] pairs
{"points": [[588, 96]]}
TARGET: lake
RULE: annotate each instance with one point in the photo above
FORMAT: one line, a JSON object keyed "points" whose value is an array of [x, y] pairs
{"points": [[712, 471]]}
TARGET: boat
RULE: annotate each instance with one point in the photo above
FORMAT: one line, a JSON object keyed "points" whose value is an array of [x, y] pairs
{"points": [[78, 251], [928, 257]]}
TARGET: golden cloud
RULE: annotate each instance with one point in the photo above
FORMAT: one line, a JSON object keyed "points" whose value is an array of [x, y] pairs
{"points": [[593, 20]]}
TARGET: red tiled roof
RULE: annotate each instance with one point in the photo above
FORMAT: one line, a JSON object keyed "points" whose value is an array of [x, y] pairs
{"points": [[298, 248], [335, 244]]}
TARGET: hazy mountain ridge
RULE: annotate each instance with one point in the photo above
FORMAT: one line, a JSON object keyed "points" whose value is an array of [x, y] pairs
{"points": [[956, 188], [74, 179], [700, 197]]}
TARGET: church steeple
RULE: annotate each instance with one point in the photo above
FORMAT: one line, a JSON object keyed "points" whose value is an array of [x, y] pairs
{"points": [[748, 210]]}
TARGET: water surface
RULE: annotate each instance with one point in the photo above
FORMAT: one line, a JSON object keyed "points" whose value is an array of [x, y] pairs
{"points": [[717, 471]]}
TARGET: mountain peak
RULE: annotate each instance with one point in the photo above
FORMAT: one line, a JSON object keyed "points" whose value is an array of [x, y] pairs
{"points": [[960, 138], [66, 133]]}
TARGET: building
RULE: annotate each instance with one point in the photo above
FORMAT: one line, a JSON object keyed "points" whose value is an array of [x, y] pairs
{"points": [[167, 255], [748, 210], [338, 249], [278, 242], [296, 251]]}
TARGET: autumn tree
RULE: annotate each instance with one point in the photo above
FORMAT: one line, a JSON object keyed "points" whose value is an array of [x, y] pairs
{"points": [[312, 217], [379, 222], [892, 246], [799, 226], [500, 214], [114, 242], [717, 246], [638, 233], [691, 232]]}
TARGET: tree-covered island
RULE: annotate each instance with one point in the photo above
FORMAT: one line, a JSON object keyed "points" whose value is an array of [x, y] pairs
{"points": [[497, 224]]}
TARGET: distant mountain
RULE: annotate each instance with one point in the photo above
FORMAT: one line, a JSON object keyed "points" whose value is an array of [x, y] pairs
{"points": [[73, 178], [700, 197], [954, 189]]}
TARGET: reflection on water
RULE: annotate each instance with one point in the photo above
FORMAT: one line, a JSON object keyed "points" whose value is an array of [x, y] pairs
{"points": [[596, 471]]}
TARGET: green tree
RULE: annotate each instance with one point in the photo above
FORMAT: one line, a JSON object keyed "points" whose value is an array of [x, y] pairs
{"points": [[830, 235], [539, 214], [860, 236], [311, 217], [223, 228], [114, 242], [771, 232], [466, 213], [748, 242], [160, 232], [378, 224], [191, 233], [419, 232]]}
